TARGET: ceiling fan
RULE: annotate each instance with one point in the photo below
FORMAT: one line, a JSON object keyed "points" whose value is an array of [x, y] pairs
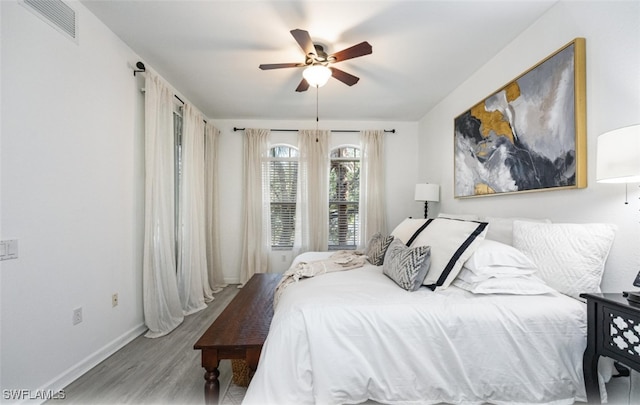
{"points": [[317, 59]]}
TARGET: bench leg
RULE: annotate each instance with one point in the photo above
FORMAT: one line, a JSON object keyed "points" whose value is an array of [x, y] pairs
{"points": [[210, 362], [211, 386]]}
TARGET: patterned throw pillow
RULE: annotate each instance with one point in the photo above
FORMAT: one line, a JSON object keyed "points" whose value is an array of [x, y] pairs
{"points": [[377, 247], [407, 266]]}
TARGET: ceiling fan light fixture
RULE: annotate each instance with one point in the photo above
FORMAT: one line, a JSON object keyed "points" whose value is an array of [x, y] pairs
{"points": [[316, 62], [317, 75]]}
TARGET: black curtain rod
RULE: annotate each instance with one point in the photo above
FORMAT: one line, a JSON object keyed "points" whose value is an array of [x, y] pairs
{"points": [[140, 68], [393, 131], [180, 100]]}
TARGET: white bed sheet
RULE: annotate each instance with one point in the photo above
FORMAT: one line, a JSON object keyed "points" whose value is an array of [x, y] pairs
{"points": [[346, 337]]}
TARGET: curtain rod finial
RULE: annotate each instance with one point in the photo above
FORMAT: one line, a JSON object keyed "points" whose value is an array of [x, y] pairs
{"points": [[140, 68]]}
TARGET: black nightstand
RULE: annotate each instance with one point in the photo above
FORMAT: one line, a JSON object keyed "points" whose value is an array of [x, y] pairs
{"points": [[613, 330]]}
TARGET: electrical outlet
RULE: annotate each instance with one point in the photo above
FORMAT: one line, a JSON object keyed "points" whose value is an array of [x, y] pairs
{"points": [[77, 316], [114, 300], [9, 249]]}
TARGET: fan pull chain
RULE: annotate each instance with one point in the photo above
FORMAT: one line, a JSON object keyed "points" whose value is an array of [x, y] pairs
{"points": [[317, 115], [626, 193]]}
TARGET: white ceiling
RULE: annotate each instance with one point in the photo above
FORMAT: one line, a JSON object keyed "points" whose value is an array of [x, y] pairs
{"points": [[422, 50]]}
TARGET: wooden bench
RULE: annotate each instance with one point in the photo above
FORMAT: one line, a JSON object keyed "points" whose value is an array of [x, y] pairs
{"points": [[239, 331]]}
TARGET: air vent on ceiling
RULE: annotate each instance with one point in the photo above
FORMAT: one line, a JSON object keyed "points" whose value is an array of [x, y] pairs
{"points": [[56, 13]]}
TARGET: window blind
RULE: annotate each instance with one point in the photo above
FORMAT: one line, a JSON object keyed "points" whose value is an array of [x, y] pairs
{"points": [[283, 182], [344, 197]]}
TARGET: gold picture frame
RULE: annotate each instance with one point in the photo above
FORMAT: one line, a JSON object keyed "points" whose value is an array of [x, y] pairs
{"points": [[530, 135]]}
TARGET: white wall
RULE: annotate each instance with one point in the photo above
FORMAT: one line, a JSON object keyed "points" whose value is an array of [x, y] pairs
{"points": [[72, 194], [400, 176], [612, 32]]}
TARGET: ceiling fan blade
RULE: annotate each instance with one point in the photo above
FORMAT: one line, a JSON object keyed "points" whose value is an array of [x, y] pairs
{"points": [[344, 77], [303, 86], [361, 49], [269, 66], [304, 40]]}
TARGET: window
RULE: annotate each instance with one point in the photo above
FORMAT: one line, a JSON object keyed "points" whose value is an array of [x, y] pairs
{"points": [[344, 197], [283, 183]]}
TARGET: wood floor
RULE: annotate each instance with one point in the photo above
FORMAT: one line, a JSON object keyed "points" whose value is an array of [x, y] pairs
{"points": [[165, 370]]}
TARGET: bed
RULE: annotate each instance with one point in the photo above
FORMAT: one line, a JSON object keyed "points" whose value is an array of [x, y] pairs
{"points": [[346, 337]]}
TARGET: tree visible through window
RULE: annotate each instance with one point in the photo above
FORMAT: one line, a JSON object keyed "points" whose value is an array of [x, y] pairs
{"points": [[283, 182], [177, 179], [344, 198]]}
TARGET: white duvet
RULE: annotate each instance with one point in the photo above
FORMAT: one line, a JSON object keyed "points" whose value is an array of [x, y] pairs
{"points": [[347, 337]]}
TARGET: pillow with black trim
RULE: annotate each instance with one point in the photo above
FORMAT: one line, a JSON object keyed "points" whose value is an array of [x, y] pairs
{"points": [[407, 228], [464, 217], [377, 247], [452, 242], [406, 266]]}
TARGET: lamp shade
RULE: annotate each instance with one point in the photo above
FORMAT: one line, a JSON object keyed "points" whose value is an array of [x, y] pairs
{"points": [[618, 156], [427, 192], [317, 75]]}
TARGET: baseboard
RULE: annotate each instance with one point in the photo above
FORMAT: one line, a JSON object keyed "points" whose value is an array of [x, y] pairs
{"points": [[73, 373], [232, 280]]}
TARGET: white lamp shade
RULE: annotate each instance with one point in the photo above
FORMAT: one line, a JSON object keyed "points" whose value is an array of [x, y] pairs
{"points": [[427, 192], [317, 75], [618, 156]]}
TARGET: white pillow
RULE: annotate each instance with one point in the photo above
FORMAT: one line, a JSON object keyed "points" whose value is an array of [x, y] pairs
{"points": [[493, 259], [452, 241], [501, 229], [570, 257], [502, 272], [520, 285], [407, 228]]}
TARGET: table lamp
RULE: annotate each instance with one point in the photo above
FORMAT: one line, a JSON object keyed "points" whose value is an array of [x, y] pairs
{"points": [[427, 192]]}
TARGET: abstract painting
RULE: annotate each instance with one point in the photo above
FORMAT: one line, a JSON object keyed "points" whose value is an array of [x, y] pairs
{"points": [[528, 136]]}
